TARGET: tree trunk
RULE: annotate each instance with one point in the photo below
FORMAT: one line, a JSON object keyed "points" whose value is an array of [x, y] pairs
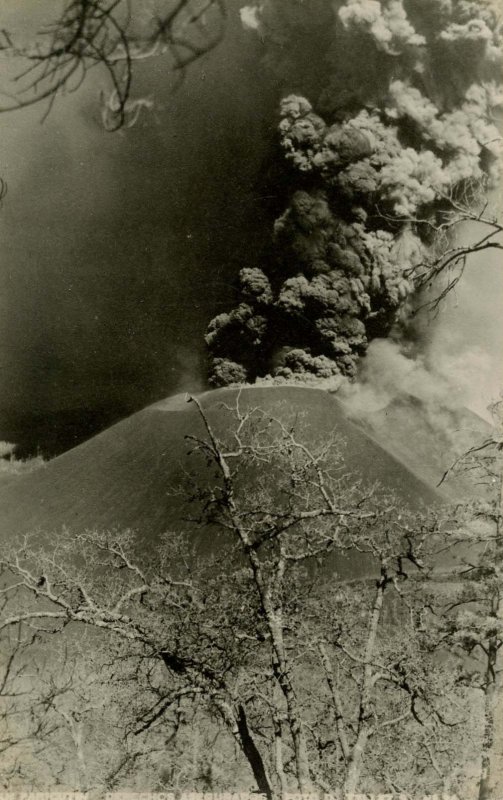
{"points": [[238, 726], [278, 752], [271, 612], [282, 674], [355, 762], [336, 699], [491, 775], [253, 755], [365, 730]]}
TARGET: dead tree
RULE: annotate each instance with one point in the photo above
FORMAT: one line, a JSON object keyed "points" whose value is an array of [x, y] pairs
{"points": [[477, 626], [296, 663], [114, 36], [461, 227]]}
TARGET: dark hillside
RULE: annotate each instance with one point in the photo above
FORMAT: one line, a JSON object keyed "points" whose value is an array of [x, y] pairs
{"points": [[122, 477]]}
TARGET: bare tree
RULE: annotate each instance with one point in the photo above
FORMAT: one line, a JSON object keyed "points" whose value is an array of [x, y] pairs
{"points": [[462, 226], [113, 35], [64, 718], [27, 695], [475, 623], [314, 670]]}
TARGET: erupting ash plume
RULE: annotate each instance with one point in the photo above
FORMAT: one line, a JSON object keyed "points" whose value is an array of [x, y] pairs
{"points": [[400, 134]]}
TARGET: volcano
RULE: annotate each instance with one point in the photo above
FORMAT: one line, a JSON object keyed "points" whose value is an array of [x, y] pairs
{"points": [[129, 476], [124, 477]]}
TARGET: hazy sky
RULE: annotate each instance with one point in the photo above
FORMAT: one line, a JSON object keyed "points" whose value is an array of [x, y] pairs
{"points": [[118, 248], [465, 340]]}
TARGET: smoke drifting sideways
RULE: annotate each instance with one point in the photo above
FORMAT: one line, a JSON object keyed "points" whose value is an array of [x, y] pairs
{"points": [[399, 122]]}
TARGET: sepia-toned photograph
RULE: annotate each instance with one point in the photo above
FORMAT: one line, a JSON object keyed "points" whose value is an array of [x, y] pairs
{"points": [[251, 400]]}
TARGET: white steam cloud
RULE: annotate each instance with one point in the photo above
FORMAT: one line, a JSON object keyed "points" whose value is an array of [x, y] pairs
{"points": [[444, 377]]}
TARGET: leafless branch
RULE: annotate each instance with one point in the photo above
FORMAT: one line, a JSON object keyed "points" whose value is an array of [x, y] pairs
{"points": [[113, 35]]}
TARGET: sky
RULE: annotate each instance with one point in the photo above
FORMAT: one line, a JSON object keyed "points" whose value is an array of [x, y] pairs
{"points": [[117, 249], [465, 338]]}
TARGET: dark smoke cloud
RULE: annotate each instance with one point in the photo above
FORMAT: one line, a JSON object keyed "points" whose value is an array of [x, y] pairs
{"points": [[402, 119]]}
